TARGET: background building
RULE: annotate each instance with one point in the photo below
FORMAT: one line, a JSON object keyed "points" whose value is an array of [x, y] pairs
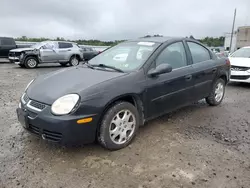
{"points": [[241, 38]]}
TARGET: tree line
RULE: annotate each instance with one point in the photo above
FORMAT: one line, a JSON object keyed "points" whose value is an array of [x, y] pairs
{"points": [[209, 41]]}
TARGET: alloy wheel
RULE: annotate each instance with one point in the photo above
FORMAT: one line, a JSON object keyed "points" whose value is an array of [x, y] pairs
{"points": [[122, 127]]}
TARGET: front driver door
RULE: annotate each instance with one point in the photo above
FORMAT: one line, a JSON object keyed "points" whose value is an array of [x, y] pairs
{"points": [[49, 52], [169, 91]]}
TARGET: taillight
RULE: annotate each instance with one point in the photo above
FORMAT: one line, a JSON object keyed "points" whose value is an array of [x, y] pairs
{"points": [[228, 62]]}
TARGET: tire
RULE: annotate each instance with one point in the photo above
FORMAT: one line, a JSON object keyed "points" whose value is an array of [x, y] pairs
{"points": [[31, 62], [74, 61], [117, 135], [217, 94], [63, 64], [22, 65]]}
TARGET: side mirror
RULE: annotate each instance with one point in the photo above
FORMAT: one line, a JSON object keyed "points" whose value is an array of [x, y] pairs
{"points": [[161, 69]]}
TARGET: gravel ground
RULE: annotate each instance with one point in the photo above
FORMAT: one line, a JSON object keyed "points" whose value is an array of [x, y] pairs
{"points": [[197, 146]]}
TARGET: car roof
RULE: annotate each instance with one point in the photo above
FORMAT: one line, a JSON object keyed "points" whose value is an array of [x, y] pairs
{"points": [[246, 47], [59, 41], [6, 38], [157, 39]]}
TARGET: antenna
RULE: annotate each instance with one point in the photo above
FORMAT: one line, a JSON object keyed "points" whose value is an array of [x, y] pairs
{"points": [[232, 31]]}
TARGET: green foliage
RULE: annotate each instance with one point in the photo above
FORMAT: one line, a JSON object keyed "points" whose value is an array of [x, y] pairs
{"points": [[209, 41], [214, 42], [81, 42]]}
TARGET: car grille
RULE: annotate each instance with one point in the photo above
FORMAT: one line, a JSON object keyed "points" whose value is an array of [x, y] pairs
{"points": [[52, 136], [237, 68], [240, 77], [34, 129], [37, 105], [46, 134], [31, 114], [25, 98]]}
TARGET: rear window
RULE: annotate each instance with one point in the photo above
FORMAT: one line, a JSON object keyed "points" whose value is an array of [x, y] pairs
{"points": [[7, 41], [64, 45]]}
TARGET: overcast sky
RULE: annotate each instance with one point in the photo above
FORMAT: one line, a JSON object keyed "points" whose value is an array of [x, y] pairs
{"points": [[120, 19]]}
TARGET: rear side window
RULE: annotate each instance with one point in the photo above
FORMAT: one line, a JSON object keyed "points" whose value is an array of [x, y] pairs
{"points": [[198, 52], [7, 42], [64, 45]]}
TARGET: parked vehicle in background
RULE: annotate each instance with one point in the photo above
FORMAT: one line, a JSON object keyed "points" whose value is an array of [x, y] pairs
{"points": [[89, 53], [107, 99], [6, 44], [222, 54], [240, 69], [47, 52]]}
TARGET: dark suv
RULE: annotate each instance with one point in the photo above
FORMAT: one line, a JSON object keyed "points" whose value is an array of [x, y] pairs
{"points": [[109, 98], [6, 44]]}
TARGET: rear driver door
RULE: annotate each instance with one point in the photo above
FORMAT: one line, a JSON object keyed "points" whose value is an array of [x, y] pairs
{"points": [[204, 69]]}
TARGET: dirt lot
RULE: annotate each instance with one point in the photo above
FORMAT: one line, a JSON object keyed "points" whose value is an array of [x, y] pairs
{"points": [[197, 146]]}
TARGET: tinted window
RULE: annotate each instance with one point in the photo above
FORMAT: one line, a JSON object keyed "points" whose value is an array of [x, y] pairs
{"points": [[7, 41], [65, 45], [198, 52], [174, 55]]}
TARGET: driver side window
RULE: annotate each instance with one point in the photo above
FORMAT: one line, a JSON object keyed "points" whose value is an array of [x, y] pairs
{"points": [[174, 55]]}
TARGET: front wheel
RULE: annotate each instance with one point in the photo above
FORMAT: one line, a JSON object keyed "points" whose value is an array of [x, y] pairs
{"points": [[217, 94], [119, 126], [74, 61], [31, 62]]}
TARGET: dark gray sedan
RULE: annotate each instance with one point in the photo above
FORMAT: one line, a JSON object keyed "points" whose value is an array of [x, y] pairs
{"points": [[108, 98]]}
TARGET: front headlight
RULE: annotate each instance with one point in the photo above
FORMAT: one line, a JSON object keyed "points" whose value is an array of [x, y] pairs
{"points": [[64, 105], [29, 84]]}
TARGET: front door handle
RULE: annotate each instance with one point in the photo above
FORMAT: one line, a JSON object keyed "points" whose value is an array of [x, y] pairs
{"points": [[188, 77], [214, 70]]}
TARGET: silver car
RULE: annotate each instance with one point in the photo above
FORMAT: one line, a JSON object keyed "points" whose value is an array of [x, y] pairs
{"points": [[47, 52]]}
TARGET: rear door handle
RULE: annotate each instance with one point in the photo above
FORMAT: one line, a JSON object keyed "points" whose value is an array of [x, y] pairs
{"points": [[214, 70], [69, 50], [188, 77]]}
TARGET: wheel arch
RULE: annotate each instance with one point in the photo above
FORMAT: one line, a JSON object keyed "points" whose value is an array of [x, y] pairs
{"points": [[30, 55], [75, 55], [134, 99], [224, 77]]}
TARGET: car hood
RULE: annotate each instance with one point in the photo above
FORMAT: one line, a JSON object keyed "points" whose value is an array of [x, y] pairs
{"points": [[47, 88], [21, 49], [242, 62]]}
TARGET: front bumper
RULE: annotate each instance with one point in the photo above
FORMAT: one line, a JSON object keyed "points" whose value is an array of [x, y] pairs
{"points": [[15, 60], [60, 129], [240, 76]]}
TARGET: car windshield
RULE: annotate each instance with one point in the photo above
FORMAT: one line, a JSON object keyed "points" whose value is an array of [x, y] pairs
{"points": [[243, 52], [38, 45], [127, 56]]}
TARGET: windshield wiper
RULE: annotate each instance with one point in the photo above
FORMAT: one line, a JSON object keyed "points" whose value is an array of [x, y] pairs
{"points": [[89, 66], [107, 66]]}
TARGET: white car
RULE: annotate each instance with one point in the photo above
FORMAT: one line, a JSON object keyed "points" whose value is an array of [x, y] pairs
{"points": [[240, 65]]}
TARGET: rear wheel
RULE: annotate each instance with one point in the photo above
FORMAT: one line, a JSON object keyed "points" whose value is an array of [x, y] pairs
{"points": [[217, 94], [74, 61], [119, 126], [31, 62]]}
